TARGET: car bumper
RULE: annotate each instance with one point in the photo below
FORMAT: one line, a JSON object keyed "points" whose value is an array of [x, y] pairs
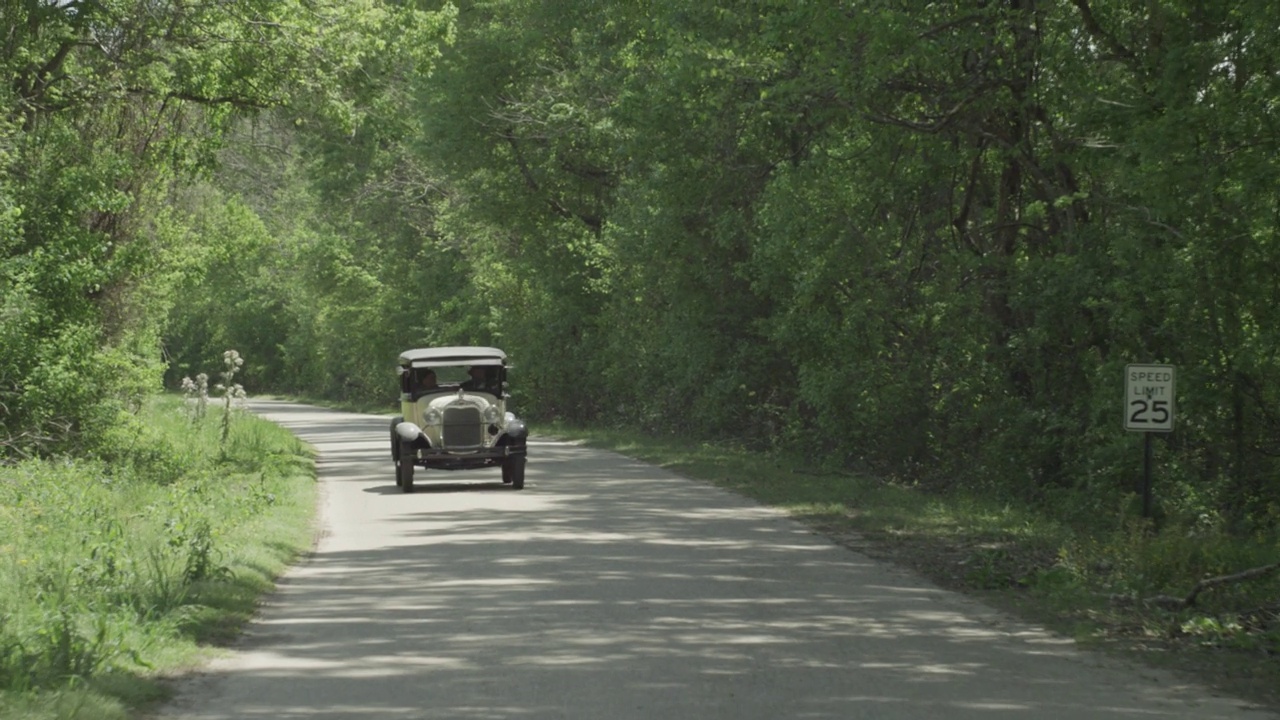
{"points": [[460, 460]]}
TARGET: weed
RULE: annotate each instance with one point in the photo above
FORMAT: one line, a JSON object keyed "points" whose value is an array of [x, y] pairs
{"points": [[231, 392], [162, 588], [196, 393]]}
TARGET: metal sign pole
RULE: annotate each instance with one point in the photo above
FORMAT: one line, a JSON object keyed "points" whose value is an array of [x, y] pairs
{"points": [[1146, 475]]}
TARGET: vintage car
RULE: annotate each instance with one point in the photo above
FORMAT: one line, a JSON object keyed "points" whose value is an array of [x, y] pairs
{"points": [[453, 415]]}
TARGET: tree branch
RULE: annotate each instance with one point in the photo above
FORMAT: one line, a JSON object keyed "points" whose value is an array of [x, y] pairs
{"points": [[1095, 29]]}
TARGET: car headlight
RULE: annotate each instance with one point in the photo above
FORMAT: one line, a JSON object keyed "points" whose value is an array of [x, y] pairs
{"points": [[491, 415], [432, 416]]}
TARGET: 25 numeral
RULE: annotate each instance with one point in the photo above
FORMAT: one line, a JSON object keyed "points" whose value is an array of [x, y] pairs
{"points": [[1158, 409]]}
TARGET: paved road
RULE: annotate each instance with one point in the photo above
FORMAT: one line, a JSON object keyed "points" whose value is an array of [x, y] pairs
{"points": [[611, 590]]}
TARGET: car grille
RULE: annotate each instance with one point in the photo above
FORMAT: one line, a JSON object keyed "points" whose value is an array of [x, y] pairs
{"points": [[463, 427]]}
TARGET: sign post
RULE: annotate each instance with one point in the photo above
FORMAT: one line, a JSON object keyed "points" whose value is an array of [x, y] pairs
{"points": [[1148, 408]]}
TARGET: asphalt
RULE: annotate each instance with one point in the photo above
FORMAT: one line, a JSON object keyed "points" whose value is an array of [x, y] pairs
{"points": [[609, 589]]}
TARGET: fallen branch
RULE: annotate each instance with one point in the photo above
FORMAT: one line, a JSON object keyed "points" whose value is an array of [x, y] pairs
{"points": [[1169, 602], [1249, 574], [15, 444], [27, 444]]}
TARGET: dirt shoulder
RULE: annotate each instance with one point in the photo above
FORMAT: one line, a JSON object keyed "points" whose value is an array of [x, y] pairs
{"points": [[1251, 674]]}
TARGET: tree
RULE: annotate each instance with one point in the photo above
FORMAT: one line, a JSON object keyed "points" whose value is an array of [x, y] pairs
{"points": [[107, 106]]}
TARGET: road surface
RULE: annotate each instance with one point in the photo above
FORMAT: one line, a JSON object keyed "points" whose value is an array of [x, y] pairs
{"points": [[611, 590]]}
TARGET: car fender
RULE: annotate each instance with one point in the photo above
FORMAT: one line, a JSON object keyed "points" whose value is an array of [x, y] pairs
{"points": [[516, 429], [408, 432]]}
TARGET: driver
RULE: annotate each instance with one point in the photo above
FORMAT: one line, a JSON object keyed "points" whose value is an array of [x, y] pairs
{"points": [[428, 381]]}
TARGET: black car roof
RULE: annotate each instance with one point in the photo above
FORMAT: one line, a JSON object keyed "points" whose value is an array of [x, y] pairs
{"points": [[456, 355]]}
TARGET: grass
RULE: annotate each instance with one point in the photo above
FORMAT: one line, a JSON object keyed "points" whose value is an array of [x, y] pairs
{"points": [[120, 571], [1107, 583]]}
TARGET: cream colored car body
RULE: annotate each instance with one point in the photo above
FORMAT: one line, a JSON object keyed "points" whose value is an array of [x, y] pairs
{"points": [[456, 421]]}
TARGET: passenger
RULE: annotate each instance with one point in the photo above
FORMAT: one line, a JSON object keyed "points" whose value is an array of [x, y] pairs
{"points": [[479, 380]]}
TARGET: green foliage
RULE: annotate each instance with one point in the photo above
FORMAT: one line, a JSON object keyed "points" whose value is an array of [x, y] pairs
{"points": [[108, 112], [924, 239], [929, 236], [919, 239], [106, 562]]}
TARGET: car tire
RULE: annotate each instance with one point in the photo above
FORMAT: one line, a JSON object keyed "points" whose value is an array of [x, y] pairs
{"points": [[513, 472], [396, 449], [404, 471]]}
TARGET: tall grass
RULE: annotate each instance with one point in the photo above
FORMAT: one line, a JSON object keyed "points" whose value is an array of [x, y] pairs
{"points": [[116, 568]]}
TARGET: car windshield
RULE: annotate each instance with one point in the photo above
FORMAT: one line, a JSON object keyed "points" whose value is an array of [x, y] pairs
{"points": [[451, 375], [441, 378]]}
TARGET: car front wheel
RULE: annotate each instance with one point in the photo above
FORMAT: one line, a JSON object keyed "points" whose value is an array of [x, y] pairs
{"points": [[404, 470], [513, 472]]}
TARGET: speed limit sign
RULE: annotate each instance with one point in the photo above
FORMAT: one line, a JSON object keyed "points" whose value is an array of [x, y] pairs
{"points": [[1148, 398]]}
